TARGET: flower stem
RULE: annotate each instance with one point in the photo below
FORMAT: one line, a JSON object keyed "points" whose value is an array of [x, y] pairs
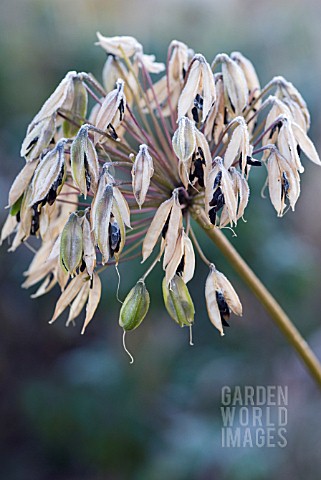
{"points": [[278, 315]]}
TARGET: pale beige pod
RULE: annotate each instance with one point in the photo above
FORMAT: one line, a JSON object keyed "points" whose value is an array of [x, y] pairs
{"points": [[142, 172]]}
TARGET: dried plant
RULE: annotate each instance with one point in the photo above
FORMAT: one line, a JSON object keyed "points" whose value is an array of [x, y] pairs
{"points": [[125, 177]]}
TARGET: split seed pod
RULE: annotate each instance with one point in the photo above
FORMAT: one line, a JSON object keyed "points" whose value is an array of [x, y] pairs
{"points": [[135, 307], [178, 301], [78, 109]]}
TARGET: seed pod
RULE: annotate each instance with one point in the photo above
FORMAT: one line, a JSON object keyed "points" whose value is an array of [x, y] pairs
{"points": [[199, 84], [62, 97], [78, 109], [115, 100], [156, 227], [251, 77], [71, 244], [21, 182], [174, 224], [184, 140], [101, 220], [135, 307], [178, 301], [142, 172], [93, 300], [238, 146], [38, 138], [84, 162], [235, 86], [118, 45], [49, 174]]}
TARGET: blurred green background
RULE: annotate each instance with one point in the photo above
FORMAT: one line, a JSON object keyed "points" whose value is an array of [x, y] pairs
{"points": [[71, 407]]}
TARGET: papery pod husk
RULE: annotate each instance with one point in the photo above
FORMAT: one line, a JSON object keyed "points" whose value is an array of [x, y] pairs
{"points": [[8, 228], [47, 173], [71, 244], [88, 245], [78, 109], [135, 307], [93, 300], [178, 301], [21, 182], [38, 138], [156, 227]]}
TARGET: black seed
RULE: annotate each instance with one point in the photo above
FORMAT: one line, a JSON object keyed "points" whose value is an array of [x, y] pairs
{"points": [[218, 200], [198, 102], [251, 161], [181, 265], [195, 114], [217, 180], [82, 267], [112, 131], [285, 184], [114, 237], [87, 174], [121, 109], [298, 150], [31, 144], [223, 308], [212, 215], [165, 227], [18, 218], [232, 106]]}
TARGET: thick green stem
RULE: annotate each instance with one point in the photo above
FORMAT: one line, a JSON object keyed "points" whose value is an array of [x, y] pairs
{"points": [[278, 315]]}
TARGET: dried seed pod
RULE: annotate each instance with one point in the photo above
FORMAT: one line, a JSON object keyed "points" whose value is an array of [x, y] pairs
{"points": [[78, 109], [238, 148], [62, 97], [199, 90], [71, 244], [115, 100], [123, 206], [148, 63], [38, 138], [174, 262], [117, 45], [68, 295], [235, 87], [49, 175], [142, 172], [251, 77], [21, 182], [189, 259], [305, 143], [287, 144], [93, 300], [156, 227], [174, 225], [84, 162], [135, 307], [78, 303], [178, 301], [184, 140], [101, 220]]}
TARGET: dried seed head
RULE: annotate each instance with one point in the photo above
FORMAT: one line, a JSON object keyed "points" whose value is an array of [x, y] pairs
{"points": [[135, 307], [71, 244], [178, 301], [142, 172]]}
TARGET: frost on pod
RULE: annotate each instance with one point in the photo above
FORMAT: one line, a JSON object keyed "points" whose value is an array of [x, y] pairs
{"points": [[124, 170]]}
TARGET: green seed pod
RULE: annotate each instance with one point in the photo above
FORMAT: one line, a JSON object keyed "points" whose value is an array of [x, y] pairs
{"points": [[135, 307], [178, 301], [71, 244], [78, 109]]}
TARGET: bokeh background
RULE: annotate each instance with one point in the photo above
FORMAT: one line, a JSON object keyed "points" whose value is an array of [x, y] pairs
{"points": [[71, 407]]}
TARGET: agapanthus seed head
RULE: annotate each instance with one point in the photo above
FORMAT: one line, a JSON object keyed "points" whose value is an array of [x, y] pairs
{"points": [[128, 176]]}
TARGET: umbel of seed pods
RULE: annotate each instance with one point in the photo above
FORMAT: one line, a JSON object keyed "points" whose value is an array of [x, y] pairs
{"points": [[111, 183]]}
